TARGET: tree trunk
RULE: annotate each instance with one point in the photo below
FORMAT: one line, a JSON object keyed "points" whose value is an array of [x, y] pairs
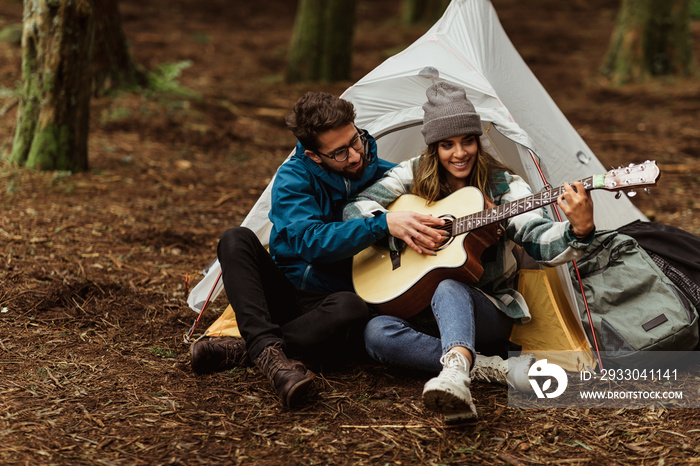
{"points": [[54, 105], [113, 66], [652, 38], [337, 44], [321, 46], [422, 11]]}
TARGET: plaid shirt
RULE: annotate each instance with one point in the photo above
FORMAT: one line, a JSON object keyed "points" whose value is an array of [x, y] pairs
{"points": [[548, 242]]}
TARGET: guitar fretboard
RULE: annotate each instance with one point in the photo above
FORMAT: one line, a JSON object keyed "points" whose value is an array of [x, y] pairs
{"points": [[511, 209]]}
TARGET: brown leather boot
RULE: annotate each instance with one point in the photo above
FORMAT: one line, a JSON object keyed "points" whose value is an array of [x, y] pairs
{"points": [[290, 378], [218, 354]]}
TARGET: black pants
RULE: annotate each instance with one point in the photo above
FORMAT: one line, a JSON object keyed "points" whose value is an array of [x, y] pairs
{"points": [[270, 309]]}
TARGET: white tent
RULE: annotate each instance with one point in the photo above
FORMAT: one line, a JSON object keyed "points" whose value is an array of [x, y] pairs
{"points": [[469, 47]]}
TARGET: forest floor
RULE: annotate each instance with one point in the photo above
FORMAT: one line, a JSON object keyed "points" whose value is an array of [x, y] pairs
{"points": [[96, 267]]}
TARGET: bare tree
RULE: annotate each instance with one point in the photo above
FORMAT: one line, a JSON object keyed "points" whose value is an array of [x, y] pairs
{"points": [[652, 38], [321, 46], [70, 51], [54, 105], [113, 66]]}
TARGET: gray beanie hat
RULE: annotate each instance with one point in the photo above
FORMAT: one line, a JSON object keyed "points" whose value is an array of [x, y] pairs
{"points": [[448, 113]]}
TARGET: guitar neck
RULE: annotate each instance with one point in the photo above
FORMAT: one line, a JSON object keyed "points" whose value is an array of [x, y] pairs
{"points": [[511, 209]]}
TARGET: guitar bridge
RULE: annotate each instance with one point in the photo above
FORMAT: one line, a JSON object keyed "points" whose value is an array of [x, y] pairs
{"points": [[395, 257]]}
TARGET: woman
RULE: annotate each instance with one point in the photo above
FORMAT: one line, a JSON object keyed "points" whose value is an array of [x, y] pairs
{"points": [[468, 317]]}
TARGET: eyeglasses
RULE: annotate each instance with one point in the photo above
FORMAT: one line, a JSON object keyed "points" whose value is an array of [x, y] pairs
{"points": [[358, 144]]}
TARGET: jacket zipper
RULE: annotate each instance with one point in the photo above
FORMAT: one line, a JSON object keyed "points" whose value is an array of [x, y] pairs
{"points": [[307, 271]]}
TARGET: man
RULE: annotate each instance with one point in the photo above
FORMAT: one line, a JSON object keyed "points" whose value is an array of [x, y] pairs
{"points": [[297, 299]]}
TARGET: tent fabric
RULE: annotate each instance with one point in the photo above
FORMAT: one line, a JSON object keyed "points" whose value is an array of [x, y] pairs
{"points": [[469, 47], [224, 326], [552, 332], [523, 126]]}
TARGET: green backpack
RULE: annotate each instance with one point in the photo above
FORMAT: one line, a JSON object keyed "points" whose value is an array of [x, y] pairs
{"points": [[634, 306]]}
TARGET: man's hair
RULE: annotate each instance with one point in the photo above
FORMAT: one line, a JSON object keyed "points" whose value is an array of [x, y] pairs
{"points": [[315, 113]]}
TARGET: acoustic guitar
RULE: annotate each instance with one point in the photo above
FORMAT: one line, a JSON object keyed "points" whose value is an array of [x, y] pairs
{"points": [[402, 283]]}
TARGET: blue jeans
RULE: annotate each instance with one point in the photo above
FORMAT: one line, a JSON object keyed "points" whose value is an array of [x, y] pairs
{"points": [[464, 317]]}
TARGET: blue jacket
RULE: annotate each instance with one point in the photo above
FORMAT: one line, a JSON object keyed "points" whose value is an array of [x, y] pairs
{"points": [[309, 240]]}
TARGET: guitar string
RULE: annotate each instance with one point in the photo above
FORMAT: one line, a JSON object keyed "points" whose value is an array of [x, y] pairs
{"points": [[502, 210]]}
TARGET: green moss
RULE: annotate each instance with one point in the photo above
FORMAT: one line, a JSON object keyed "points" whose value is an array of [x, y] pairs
{"points": [[48, 150], [695, 9]]}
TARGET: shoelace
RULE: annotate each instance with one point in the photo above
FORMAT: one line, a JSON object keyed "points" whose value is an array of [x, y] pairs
{"points": [[489, 372], [233, 351], [454, 365], [273, 360]]}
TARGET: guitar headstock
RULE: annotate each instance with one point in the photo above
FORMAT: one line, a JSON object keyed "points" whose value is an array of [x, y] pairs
{"points": [[631, 176]]}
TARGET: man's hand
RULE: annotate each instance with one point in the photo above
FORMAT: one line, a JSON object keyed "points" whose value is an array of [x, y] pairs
{"points": [[416, 230], [577, 205]]}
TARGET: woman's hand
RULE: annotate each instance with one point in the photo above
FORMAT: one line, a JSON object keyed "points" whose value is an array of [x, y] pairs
{"points": [[577, 205]]}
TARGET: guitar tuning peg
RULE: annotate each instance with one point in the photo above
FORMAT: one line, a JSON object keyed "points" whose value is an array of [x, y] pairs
{"points": [[632, 193], [647, 191], [618, 195]]}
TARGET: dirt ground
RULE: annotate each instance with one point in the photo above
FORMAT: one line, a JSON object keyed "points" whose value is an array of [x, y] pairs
{"points": [[96, 267]]}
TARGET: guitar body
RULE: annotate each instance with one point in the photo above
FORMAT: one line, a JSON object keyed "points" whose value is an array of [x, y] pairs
{"points": [[405, 290]]}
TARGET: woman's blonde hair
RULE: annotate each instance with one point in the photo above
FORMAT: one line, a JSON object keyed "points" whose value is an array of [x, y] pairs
{"points": [[430, 179]]}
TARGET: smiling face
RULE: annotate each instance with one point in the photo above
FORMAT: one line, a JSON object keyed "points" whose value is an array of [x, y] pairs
{"points": [[458, 155]]}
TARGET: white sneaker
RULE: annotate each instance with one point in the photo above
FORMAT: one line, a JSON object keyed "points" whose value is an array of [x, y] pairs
{"points": [[512, 371], [448, 393]]}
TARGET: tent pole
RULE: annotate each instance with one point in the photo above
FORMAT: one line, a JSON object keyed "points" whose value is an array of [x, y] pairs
{"points": [[583, 293], [204, 308]]}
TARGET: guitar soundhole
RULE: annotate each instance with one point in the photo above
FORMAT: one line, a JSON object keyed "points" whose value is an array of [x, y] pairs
{"points": [[449, 219]]}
